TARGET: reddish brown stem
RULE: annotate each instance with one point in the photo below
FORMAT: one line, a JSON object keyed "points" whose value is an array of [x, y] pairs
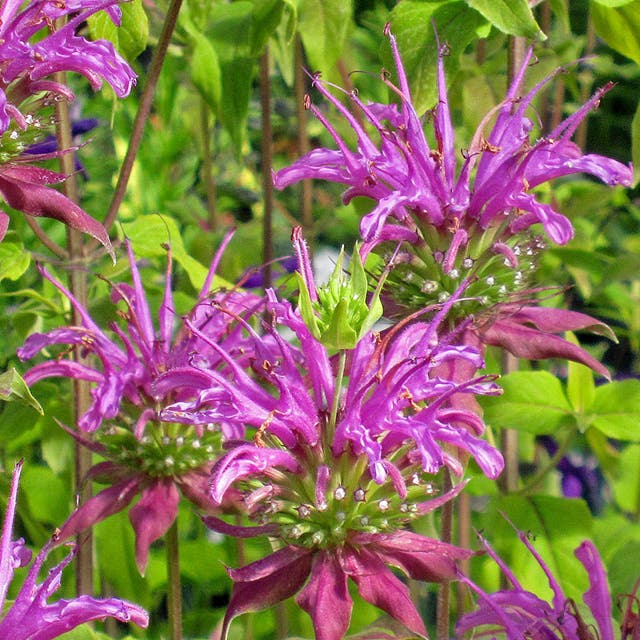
{"points": [[267, 163]]}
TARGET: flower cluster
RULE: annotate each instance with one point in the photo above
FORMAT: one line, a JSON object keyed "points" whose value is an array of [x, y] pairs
{"points": [[473, 223], [30, 616], [344, 455], [31, 50], [145, 454]]}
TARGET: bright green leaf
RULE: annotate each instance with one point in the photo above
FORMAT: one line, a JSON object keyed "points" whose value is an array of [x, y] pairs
{"points": [[613, 3], [323, 26], [130, 39], [533, 401], [205, 70], [616, 409], [626, 484], [635, 145], [555, 526], [14, 259], [580, 385], [509, 16], [148, 234], [14, 389], [411, 22], [46, 493], [266, 18], [619, 27]]}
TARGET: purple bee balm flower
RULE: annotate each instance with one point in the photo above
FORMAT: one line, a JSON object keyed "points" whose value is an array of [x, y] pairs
{"points": [[147, 455], [516, 613], [30, 616], [343, 457], [456, 221]]}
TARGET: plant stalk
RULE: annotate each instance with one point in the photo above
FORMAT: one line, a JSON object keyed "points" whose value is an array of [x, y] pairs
{"points": [[267, 163], [174, 587], [81, 388], [144, 109], [444, 588]]}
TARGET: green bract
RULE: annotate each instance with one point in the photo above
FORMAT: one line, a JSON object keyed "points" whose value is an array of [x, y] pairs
{"points": [[342, 314]]}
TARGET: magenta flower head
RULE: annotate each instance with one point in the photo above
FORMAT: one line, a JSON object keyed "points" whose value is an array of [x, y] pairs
{"points": [[344, 454], [146, 455], [30, 52], [31, 616], [474, 217], [516, 613]]}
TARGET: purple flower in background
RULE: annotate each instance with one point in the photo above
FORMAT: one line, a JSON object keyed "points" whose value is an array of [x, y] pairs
{"points": [[516, 613], [455, 221], [31, 616], [146, 455], [344, 456]]}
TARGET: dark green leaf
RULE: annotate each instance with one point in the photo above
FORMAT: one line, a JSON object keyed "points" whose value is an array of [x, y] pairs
{"points": [[205, 70], [46, 493], [266, 18]]}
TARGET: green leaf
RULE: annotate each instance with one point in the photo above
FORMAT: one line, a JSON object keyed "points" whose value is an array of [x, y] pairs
{"points": [[14, 389], [205, 70], [626, 484], [323, 26], [46, 493], [266, 18], [411, 22], [130, 39], [149, 233], [613, 3], [555, 527], [14, 259], [509, 16], [580, 385], [533, 401], [635, 145], [616, 410], [619, 26]]}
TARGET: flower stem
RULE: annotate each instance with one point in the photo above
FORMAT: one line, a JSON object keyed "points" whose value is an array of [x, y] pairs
{"points": [[335, 403], [267, 163], [207, 166], [81, 388], [144, 109], [444, 589], [174, 588]]}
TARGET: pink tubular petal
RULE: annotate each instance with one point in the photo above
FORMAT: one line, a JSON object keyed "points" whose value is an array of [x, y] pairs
{"points": [[7, 556], [216, 524], [262, 584], [247, 460], [326, 598], [152, 516], [597, 597]]}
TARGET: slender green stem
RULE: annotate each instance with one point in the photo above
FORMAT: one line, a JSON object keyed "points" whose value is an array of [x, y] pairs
{"points": [[267, 163], [444, 589], [335, 403], [174, 588], [144, 109], [207, 166], [81, 388]]}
